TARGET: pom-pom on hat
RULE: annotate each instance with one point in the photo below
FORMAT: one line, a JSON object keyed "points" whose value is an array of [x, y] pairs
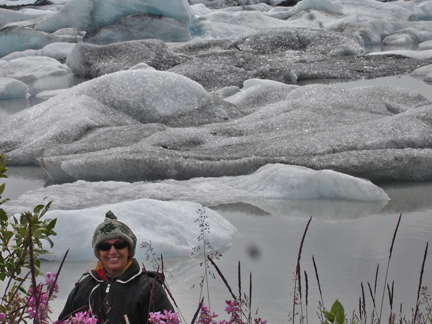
{"points": [[111, 228]]}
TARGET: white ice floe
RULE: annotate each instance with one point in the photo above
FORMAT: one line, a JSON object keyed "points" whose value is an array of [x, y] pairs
{"points": [[11, 88], [169, 226]]}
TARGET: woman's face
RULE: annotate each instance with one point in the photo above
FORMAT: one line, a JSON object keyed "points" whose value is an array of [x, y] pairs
{"points": [[114, 260]]}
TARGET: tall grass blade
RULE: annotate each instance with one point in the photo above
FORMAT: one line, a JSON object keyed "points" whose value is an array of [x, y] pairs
{"points": [[306, 295], [239, 279], [319, 284], [197, 311], [298, 276], [388, 265], [420, 283], [250, 297], [222, 277]]}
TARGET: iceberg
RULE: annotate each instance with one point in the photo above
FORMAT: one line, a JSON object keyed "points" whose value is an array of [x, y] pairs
{"points": [[170, 227], [11, 89], [104, 20], [16, 38], [91, 61], [32, 68], [272, 182]]}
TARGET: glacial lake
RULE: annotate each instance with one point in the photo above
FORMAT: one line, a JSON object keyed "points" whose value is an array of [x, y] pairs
{"points": [[347, 239]]}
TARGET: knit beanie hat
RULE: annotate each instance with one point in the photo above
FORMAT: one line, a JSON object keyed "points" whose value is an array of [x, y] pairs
{"points": [[111, 228]]}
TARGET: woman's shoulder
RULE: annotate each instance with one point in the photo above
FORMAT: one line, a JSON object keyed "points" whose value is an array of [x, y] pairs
{"points": [[86, 280]]}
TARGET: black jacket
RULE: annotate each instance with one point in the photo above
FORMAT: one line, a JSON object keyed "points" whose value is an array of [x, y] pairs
{"points": [[129, 295]]}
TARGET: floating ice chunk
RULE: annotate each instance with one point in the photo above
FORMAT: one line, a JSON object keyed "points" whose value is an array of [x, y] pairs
{"points": [[93, 15], [169, 226], [11, 16], [31, 68], [17, 38], [317, 126], [331, 6], [256, 93], [426, 7], [75, 14], [58, 51], [91, 61], [117, 99], [200, 9], [220, 24], [425, 46], [418, 55], [410, 5], [400, 39], [406, 36], [422, 71], [11, 88], [270, 182], [371, 9], [135, 27]]}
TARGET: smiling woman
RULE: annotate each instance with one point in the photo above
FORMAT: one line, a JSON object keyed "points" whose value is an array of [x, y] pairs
{"points": [[117, 290]]}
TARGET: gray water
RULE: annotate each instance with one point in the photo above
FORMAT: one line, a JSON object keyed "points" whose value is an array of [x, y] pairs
{"points": [[346, 248]]}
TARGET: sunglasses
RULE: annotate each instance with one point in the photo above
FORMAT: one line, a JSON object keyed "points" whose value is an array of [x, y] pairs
{"points": [[118, 245]]}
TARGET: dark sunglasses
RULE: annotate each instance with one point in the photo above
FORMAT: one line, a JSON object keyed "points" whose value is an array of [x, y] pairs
{"points": [[118, 245]]}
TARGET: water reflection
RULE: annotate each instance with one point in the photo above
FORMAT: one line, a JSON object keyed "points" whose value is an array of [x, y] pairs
{"points": [[23, 179], [402, 81], [407, 196], [12, 106]]}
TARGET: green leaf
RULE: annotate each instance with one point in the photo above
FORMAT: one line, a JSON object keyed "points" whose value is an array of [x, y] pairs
{"points": [[51, 224], [50, 242], [3, 216], [2, 188], [38, 208], [338, 311], [330, 316], [38, 233]]}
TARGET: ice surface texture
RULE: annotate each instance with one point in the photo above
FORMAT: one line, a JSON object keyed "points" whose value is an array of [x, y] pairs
{"points": [[273, 182], [373, 132], [144, 124], [107, 21], [12, 88], [170, 226]]}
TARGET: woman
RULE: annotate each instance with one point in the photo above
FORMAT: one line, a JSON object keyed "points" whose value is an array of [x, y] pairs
{"points": [[117, 290]]}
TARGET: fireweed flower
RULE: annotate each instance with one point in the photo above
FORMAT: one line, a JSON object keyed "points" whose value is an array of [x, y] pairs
{"points": [[2, 317], [83, 318], [49, 281], [206, 317], [167, 317], [38, 301], [79, 318], [233, 309]]}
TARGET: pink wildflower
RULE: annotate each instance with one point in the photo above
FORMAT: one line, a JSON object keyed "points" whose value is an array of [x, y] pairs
{"points": [[233, 309], [155, 318], [79, 318], [206, 317], [83, 318], [167, 317], [50, 278], [38, 302]]}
